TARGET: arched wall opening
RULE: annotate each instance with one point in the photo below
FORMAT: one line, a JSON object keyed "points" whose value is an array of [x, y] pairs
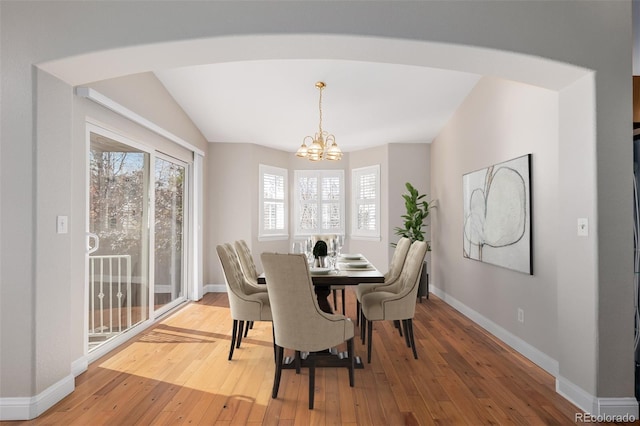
{"points": [[576, 93]]}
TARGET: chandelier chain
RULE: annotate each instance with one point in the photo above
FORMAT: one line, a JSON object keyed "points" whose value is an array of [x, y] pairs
{"points": [[320, 148]]}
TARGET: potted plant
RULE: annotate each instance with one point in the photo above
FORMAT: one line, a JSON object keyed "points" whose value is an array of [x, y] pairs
{"points": [[320, 253], [414, 222]]}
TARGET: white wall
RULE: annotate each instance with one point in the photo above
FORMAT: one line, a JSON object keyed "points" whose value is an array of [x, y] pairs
{"points": [[233, 180], [76, 42], [498, 121], [232, 210], [407, 163], [59, 277], [145, 93]]}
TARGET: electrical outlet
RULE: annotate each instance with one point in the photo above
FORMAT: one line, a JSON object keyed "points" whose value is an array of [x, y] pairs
{"points": [[521, 315]]}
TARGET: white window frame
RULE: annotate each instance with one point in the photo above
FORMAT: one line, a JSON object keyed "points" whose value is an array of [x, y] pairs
{"points": [[320, 174], [273, 234], [356, 174]]}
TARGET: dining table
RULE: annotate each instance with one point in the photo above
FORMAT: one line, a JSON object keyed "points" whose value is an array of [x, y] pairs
{"points": [[349, 270]]}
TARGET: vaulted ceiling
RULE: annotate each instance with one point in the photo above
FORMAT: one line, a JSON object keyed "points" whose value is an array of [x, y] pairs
{"points": [[275, 102]]}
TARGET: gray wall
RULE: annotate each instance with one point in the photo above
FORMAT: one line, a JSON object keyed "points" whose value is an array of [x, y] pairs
{"points": [[498, 121], [233, 181], [75, 36]]}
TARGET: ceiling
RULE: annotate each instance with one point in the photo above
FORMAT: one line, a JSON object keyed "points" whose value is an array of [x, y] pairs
{"points": [[275, 102]]}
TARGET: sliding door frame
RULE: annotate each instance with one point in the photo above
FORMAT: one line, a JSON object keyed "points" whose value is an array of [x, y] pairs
{"points": [[192, 243]]}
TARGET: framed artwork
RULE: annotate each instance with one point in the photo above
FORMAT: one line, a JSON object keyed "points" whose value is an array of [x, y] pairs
{"points": [[497, 214]]}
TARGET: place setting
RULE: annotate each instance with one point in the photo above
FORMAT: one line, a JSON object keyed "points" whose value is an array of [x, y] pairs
{"points": [[354, 262], [323, 271]]}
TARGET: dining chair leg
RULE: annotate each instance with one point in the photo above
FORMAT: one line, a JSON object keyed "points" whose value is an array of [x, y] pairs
{"points": [[344, 310], [413, 342], [370, 337], [275, 351], [247, 326], [352, 361], [405, 325], [233, 338], [312, 378], [396, 323], [363, 325], [357, 312], [240, 331], [335, 300], [297, 361], [276, 378]]}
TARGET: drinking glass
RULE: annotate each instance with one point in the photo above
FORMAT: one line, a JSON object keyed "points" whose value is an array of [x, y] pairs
{"points": [[339, 244], [298, 248], [333, 252], [309, 250]]}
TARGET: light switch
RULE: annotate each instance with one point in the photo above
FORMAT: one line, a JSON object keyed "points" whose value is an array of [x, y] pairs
{"points": [[62, 224], [583, 227]]}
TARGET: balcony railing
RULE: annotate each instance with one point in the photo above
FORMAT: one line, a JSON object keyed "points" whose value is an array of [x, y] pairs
{"points": [[110, 297]]}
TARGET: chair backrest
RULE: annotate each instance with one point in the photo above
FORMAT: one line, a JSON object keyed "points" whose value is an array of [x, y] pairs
{"points": [[323, 237], [412, 269], [246, 261], [398, 259], [233, 277], [298, 322], [403, 304]]}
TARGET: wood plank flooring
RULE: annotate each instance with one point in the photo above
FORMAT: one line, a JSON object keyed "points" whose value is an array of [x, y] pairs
{"points": [[177, 373]]}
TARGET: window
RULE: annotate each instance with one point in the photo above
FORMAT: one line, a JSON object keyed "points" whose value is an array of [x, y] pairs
{"points": [[365, 218], [273, 203], [319, 202]]}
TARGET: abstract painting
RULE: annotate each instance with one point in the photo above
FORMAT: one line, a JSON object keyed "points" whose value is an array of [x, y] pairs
{"points": [[497, 215]]}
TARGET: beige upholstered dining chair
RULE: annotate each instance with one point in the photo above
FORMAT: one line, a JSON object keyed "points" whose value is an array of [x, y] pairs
{"points": [[245, 306], [298, 322], [334, 288], [248, 265], [391, 278], [400, 306], [250, 274]]}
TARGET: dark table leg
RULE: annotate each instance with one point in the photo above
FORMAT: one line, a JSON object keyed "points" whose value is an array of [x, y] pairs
{"points": [[322, 293], [329, 358]]}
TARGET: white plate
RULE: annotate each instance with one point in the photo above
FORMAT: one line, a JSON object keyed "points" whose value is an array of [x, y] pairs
{"points": [[320, 271], [351, 256], [363, 264]]}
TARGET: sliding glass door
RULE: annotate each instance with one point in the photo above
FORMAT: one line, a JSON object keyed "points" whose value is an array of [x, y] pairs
{"points": [[169, 228], [137, 214], [119, 238]]}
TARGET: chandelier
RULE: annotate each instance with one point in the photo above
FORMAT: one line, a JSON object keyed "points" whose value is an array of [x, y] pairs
{"points": [[322, 144]]}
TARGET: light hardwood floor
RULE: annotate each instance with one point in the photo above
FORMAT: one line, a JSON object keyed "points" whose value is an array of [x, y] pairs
{"points": [[177, 372]]}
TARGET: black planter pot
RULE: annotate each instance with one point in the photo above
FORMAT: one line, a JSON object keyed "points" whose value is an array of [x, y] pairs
{"points": [[423, 286]]}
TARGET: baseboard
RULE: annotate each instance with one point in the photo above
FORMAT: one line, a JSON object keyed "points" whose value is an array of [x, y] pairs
{"points": [[536, 356], [79, 366], [595, 409], [215, 288], [27, 408], [601, 410], [576, 395], [619, 409]]}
